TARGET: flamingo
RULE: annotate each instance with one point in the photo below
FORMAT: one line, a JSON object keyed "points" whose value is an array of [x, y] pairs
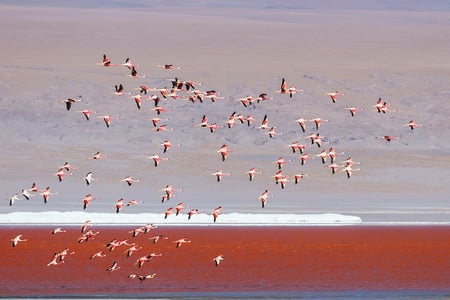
{"points": [[204, 122], [142, 277], [85, 226], [379, 105], [180, 242], [119, 90], [283, 87], [252, 172], [159, 109], [26, 194], [216, 212], [70, 101], [136, 231], [278, 175], [106, 62], [156, 238], [119, 205], [88, 235], [219, 174], [231, 120], [323, 155], [332, 154], [317, 121], [249, 119], [129, 180], [272, 132], [17, 239], [87, 113], [298, 177], [264, 197], [296, 146], [88, 178], [132, 249], [54, 261], [264, 123], [280, 162], [167, 144], [61, 173], [168, 212], [169, 189], [224, 151], [113, 267], [180, 206], [97, 155], [333, 167], [46, 194], [353, 110], [218, 259], [213, 127], [133, 202], [68, 167], [99, 254], [349, 171], [13, 199], [213, 97], [155, 121], [301, 122], [34, 188], [247, 100], [283, 181], [334, 95], [192, 212], [292, 91], [349, 161], [262, 97], [411, 124], [128, 64], [156, 159], [162, 128], [168, 67], [87, 199], [137, 99], [304, 158], [385, 108], [143, 89], [58, 230], [107, 119]]}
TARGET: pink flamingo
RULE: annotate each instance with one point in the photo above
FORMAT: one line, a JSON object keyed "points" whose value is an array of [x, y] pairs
{"points": [[280, 162], [69, 102], [213, 127], [167, 144], [128, 64], [180, 206], [388, 138], [168, 212], [264, 123], [349, 171], [134, 73], [129, 180], [156, 238], [278, 175], [85, 226], [106, 62], [58, 230], [323, 155], [168, 67], [107, 119], [119, 90], [87, 113], [61, 173], [217, 260], [349, 161], [304, 158], [87, 199], [169, 189], [411, 124], [333, 154], [99, 254], [249, 119], [180, 242], [216, 212], [156, 159], [46, 194], [88, 178], [272, 132], [264, 197], [283, 87], [292, 91], [333, 167], [353, 110], [17, 239], [317, 121], [159, 109], [155, 121], [192, 212], [301, 122], [219, 174], [224, 151], [298, 177], [162, 128], [114, 267], [262, 97], [334, 95], [119, 205], [252, 172]]}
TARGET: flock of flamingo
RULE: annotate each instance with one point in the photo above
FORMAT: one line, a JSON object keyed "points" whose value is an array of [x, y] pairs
{"points": [[189, 90]]}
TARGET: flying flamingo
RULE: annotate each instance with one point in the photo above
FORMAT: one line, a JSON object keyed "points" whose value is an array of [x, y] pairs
{"points": [[54, 261], [26, 194], [113, 267], [34, 188], [98, 155], [413, 125], [13, 199], [142, 277], [180, 206], [119, 90], [204, 122], [379, 105], [133, 202], [296, 146], [156, 159], [213, 97], [70, 101], [301, 122], [58, 230], [159, 109], [169, 189], [155, 121], [68, 167], [137, 99], [46, 194], [278, 175], [304, 158], [385, 108], [219, 174], [333, 167], [132, 249], [180, 242], [217, 260], [85, 226], [216, 212], [317, 121], [168, 67], [231, 120], [167, 144], [292, 91], [17, 239], [252, 172], [213, 127], [224, 151], [128, 64], [107, 119], [192, 212], [88, 178], [334, 95], [156, 238], [264, 123], [332, 154], [61, 173], [283, 87], [262, 97], [249, 119], [162, 128], [119, 205], [353, 110], [99, 254], [168, 212], [264, 197], [298, 177], [280, 162], [106, 62], [283, 181], [129, 180], [323, 155], [247, 100], [272, 132], [349, 171], [87, 199], [87, 113], [349, 161]]}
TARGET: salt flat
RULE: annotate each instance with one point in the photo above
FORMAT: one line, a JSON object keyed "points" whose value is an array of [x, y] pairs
{"points": [[50, 54]]}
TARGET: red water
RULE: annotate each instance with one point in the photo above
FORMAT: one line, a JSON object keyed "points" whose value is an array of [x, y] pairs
{"points": [[255, 259]]}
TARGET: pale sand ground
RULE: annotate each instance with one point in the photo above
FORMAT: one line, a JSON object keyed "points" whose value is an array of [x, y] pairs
{"points": [[50, 53]]}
